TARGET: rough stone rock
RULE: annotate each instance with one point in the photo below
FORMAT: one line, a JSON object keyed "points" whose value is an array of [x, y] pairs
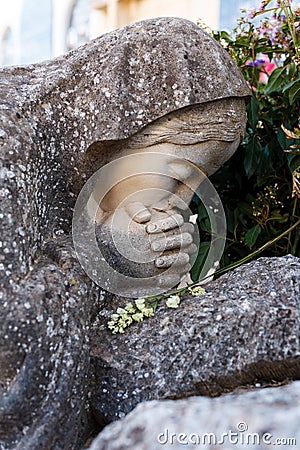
{"points": [[51, 114], [259, 419], [244, 330], [45, 355]]}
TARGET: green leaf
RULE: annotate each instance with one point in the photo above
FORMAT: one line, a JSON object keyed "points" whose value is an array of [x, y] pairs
{"points": [[200, 260], [242, 41], [252, 156], [290, 84], [203, 219], [281, 218], [283, 139], [275, 80], [225, 35], [294, 93], [252, 112], [252, 235], [293, 162], [201, 211], [229, 220], [292, 70], [246, 208]]}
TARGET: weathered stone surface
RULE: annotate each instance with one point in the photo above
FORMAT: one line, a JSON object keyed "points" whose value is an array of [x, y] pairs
{"points": [[244, 330], [258, 419], [124, 80], [45, 355]]}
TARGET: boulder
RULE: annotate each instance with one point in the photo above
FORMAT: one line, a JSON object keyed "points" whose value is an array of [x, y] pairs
{"points": [[244, 330], [258, 419]]}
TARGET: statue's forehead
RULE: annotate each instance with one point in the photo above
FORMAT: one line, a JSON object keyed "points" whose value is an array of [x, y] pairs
{"points": [[217, 120]]}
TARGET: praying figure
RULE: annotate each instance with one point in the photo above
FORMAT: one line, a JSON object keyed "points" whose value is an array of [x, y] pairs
{"points": [[142, 227]]}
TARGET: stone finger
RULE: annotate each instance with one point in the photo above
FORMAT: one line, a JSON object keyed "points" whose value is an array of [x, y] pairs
{"points": [[191, 249], [176, 259], [172, 242], [138, 212], [170, 222], [187, 228]]}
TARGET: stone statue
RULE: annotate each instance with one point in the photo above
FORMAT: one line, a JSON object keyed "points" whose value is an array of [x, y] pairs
{"points": [[138, 205], [162, 85]]}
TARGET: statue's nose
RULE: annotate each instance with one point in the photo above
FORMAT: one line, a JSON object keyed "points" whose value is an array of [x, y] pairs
{"points": [[179, 169]]}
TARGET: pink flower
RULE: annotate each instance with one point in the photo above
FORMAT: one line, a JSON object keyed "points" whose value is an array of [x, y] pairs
{"points": [[251, 13], [262, 5], [269, 67], [266, 72]]}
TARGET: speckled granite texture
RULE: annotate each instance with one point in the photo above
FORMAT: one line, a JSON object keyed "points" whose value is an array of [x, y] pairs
{"points": [[52, 114], [259, 420], [244, 330]]}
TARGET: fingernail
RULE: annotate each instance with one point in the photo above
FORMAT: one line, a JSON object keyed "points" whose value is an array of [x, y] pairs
{"points": [[158, 246], [142, 216], [159, 262], [151, 228]]}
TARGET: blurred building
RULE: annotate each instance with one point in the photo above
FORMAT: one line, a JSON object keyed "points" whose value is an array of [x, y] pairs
{"points": [[34, 30]]}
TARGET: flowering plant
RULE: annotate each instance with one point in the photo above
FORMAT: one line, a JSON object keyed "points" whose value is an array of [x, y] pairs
{"points": [[259, 186]]}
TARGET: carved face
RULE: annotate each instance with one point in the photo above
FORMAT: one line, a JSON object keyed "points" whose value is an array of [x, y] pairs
{"points": [[152, 189], [207, 135], [150, 176]]}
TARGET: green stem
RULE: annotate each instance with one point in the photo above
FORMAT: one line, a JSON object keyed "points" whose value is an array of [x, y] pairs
{"points": [[226, 269], [290, 233], [291, 23], [255, 253], [265, 11]]}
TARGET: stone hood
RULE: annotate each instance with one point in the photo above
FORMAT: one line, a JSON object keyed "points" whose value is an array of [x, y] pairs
{"points": [[118, 83]]}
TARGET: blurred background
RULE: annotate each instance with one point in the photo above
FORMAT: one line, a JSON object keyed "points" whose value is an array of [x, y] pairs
{"points": [[35, 30]]}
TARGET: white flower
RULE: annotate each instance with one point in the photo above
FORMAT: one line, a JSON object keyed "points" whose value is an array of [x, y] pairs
{"points": [[140, 303], [148, 312], [138, 317], [130, 308], [173, 301]]}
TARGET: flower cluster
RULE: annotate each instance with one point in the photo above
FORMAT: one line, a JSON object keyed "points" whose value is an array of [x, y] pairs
{"points": [[132, 312], [145, 307], [196, 291], [266, 203], [278, 29], [173, 301], [265, 67], [275, 31], [266, 46]]}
